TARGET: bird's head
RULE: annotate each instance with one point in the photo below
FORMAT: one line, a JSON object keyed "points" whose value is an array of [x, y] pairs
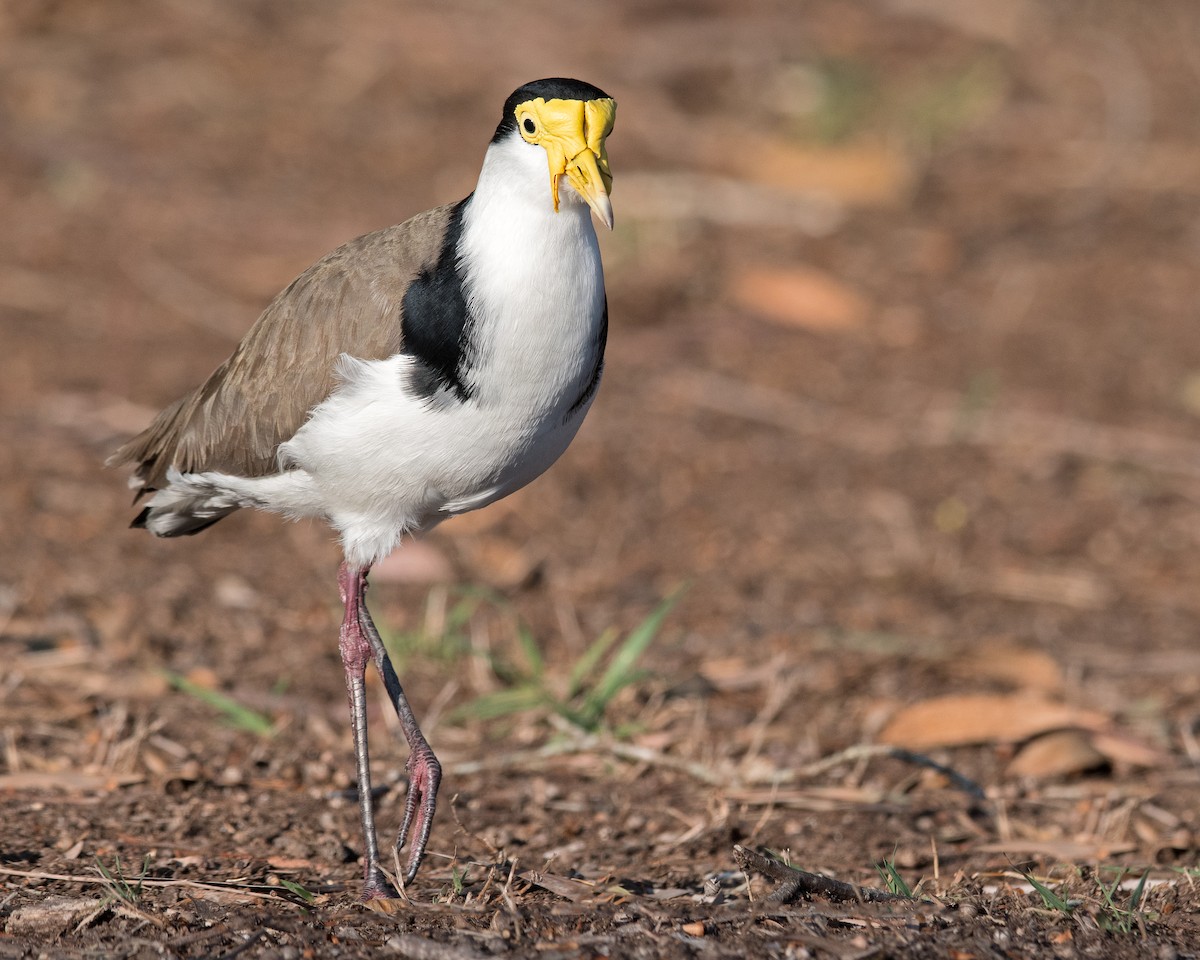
{"points": [[570, 120]]}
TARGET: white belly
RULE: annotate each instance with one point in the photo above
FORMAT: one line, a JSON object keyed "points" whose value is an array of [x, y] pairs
{"points": [[379, 461]]}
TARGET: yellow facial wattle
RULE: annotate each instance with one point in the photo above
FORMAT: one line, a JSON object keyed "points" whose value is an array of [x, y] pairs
{"points": [[573, 132]]}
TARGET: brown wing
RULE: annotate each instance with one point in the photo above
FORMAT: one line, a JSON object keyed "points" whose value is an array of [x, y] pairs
{"points": [[347, 302]]}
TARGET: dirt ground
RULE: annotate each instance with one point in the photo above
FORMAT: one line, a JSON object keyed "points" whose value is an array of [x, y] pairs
{"points": [[903, 385]]}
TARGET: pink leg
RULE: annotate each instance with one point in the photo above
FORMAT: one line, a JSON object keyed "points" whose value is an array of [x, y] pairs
{"points": [[356, 651], [359, 641]]}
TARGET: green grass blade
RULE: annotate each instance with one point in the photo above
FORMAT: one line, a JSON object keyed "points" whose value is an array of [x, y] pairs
{"points": [[590, 660], [141, 883], [1110, 893], [234, 713], [503, 703], [1051, 899], [459, 615], [620, 672], [293, 887], [117, 886], [1113, 917], [1135, 898], [533, 655], [892, 881]]}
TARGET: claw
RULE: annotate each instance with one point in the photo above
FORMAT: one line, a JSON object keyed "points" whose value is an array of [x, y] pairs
{"points": [[424, 777]]}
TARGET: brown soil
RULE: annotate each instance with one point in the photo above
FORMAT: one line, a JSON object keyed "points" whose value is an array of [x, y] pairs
{"points": [[904, 381]]}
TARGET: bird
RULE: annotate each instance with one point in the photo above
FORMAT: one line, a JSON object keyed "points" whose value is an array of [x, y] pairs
{"points": [[415, 373]]}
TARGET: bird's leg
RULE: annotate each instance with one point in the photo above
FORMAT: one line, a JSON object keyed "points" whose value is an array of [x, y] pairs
{"points": [[355, 649], [424, 770]]}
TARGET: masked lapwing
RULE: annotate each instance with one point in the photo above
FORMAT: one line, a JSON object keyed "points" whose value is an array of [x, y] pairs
{"points": [[412, 374]]}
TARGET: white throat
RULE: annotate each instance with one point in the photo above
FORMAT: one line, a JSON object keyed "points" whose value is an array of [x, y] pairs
{"points": [[536, 286]]}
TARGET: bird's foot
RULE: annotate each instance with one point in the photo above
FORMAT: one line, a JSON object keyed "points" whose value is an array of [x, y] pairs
{"points": [[377, 886], [424, 776]]}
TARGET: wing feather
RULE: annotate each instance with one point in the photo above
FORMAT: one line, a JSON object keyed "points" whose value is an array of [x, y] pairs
{"points": [[348, 302]]}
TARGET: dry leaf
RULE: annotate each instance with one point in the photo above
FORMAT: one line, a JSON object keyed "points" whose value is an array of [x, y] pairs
{"points": [[724, 671], [1118, 748], [800, 297], [1022, 668], [1080, 589], [388, 906], [291, 863], [577, 891], [205, 677], [863, 174], [736, 673], [131, 684], [668, 893], [1056, 754], [232, 591], [962, 719]]}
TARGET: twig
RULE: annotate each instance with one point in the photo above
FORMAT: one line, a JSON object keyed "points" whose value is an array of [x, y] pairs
{"points": [[779, 694], [593, 744], [866, 750], [244, 945], [795, 883], [504, 891]]}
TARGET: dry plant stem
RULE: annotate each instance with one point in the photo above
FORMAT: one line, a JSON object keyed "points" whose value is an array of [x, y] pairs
{"points": [[219, 887], [795, 883], [591, 743]]}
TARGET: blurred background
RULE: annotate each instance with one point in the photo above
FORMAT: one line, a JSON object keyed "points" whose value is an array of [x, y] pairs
{"points": [[903, 381]]}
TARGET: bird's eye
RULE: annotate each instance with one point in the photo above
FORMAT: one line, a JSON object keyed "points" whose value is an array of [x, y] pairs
{"points": [[530, 126]]}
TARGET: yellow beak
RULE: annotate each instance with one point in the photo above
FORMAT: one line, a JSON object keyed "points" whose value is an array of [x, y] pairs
{"points": [[573, 132], [585, 174]]}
